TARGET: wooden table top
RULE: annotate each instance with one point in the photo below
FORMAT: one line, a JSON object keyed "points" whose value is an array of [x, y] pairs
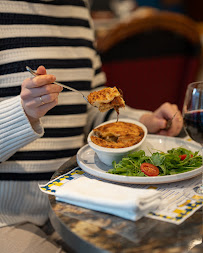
{"points": [[88, 231]]}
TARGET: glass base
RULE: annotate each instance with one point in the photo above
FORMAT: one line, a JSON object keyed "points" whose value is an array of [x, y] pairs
{"points": [[199, 190]]}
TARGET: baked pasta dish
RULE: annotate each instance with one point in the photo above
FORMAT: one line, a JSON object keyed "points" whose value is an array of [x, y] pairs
{"points": [[117, 135], [106, 99]]}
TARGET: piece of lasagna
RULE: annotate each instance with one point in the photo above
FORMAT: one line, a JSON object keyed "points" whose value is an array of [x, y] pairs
{"points": [[117, 135], [106, 99]]}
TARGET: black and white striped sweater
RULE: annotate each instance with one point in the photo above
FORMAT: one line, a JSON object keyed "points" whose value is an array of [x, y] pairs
{"points": [[57, 34]]}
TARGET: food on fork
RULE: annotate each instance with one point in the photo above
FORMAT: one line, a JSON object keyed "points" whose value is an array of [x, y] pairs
{"points": [[106, 99], [117, 135]]}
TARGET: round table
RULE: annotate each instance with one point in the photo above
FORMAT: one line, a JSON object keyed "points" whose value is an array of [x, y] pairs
{"points": [[88, 231]]}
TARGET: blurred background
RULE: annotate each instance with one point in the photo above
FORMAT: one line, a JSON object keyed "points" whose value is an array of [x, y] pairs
{"points": [[150, 46], [191, 8]]}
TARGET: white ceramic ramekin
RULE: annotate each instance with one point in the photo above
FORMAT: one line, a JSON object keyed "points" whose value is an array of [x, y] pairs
{"points": [[108, 155]]}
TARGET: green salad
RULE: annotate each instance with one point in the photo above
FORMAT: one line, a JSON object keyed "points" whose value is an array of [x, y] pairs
{"points": [[174, 161]]}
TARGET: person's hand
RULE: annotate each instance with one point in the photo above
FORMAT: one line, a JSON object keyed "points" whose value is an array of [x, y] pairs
{"points": [[157, 121], [39, 95]]}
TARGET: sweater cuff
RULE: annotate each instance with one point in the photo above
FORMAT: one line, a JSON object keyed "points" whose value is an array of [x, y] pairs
{"points": [[15, 128]]}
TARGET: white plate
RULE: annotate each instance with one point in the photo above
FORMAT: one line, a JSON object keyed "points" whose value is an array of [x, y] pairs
{"points": [[88, 160]]}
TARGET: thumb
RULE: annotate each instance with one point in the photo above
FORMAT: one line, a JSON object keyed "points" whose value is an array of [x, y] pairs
{"points": [[41, 70]]}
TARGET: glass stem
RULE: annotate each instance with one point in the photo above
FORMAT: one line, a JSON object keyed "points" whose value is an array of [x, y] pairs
{"points": [[199, 189]]}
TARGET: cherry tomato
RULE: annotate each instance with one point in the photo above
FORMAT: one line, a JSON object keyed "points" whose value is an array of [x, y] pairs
{"points": [[149, 169], [182, 157]]}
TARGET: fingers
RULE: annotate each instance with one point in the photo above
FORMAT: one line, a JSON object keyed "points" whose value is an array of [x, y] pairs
{"points": [[38, 81], [177, 125], [41, 70], [41, 100], [27, 93], [166, 112], [156, 122], [40, 111], [152, 122], [39, 94], [45, 99], [44, 108]]}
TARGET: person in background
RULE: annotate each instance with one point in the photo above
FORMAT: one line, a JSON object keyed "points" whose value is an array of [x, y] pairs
{"points": [[41, 125]]}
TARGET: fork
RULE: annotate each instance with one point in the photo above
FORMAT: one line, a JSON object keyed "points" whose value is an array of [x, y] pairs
{"points": [[169, 122], [60, 84]]}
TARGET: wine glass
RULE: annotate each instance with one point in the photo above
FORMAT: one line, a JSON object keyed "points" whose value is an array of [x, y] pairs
{"points": [[193, 118]]}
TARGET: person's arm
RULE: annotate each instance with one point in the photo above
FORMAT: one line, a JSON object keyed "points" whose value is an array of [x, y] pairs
{"points": [[15, 128], [156, 121], [20, 116]]}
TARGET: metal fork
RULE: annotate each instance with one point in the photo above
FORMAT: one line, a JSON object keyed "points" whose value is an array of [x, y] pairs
{"points": [[60, 84], [169, 122]]}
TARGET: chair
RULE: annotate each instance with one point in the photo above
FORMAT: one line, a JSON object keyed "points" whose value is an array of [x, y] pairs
{"points": [[151, 56]]}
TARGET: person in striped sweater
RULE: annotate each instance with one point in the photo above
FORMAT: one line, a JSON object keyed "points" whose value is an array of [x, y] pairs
{"points": [[41, 125]]}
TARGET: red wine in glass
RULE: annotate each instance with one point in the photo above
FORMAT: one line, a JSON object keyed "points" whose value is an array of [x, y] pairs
{"points": [[193, 123], [193, 117]]}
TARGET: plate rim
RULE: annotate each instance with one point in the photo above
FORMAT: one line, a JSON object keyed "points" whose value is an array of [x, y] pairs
{"points": [[139, 180]]}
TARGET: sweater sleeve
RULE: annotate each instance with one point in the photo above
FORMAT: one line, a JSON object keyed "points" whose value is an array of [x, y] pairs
{"points": [[15, 128]]}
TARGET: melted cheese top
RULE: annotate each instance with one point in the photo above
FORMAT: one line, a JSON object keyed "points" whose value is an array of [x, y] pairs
{"points": [[117, 135]]}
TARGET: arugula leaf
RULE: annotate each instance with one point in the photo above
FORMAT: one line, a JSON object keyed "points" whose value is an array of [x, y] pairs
{"points": [[157, 158]]}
